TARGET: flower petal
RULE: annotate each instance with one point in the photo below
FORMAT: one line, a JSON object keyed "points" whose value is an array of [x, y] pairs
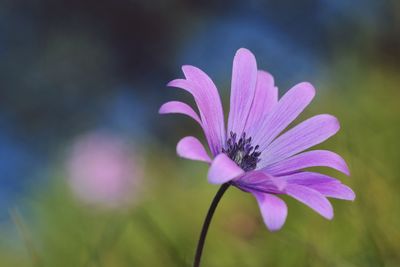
{"points": [[305, 135], [261, 181], [284, 112], [311, 198], [180, 108], [308, 178], [244, 78], [223, 169], [208, 102], [191, 148], [273, 210], [335, 190], [315, 158], [265, 98]]}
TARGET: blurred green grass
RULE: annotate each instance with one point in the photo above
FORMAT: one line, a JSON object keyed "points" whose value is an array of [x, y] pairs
{"points": [[163, 227]]}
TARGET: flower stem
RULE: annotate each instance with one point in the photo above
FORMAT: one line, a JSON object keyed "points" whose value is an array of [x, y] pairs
{"points": [[207, 222]]}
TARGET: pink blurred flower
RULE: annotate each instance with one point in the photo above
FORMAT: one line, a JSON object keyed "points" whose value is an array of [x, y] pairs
{"points": [[103, 170]]}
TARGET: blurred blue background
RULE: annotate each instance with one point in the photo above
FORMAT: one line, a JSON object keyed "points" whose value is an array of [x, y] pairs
{"points": [[69, 68]]}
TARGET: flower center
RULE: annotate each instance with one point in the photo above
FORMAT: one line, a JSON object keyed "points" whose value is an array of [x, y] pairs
{"points": [[242, 152]]}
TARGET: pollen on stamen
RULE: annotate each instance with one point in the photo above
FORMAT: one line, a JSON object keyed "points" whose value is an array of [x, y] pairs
{"points": [[242, 152]]}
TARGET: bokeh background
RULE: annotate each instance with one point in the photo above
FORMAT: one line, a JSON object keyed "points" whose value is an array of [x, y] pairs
{"points": [[88, 170]]}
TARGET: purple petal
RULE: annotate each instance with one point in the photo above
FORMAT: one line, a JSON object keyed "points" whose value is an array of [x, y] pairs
{"points": [[208, 102], [305, 135], [273, 210], [260, 181], [284, 112], [180, 108], [223, 169], [311, 198], [315, 158], [308, 178], [244, 78], [265, 98], [190, 147], [335, 190]]}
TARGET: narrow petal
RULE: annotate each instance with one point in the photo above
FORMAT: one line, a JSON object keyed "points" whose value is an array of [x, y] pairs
{"points": [[285, 111], [311, 198], [223, 169], [305, 135], [191, 148], [273, 210], [261, 181], [308, 178], [265, 98], [208, 102], [244, 78], [315, 158], [334, 190], [179, 108]]}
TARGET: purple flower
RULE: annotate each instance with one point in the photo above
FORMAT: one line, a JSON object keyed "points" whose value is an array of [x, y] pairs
{"points": [[255, 154], [103, 170]]}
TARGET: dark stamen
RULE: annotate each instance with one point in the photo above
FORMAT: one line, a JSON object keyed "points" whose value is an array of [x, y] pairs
{"points": [[242, 152]]}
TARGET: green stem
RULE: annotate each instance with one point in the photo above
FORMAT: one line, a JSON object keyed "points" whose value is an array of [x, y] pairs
{"points": [[207, 222]]}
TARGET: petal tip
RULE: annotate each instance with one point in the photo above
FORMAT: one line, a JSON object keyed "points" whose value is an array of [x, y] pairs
{"points": [[191, 148], [274, 229], [212, 179], [244, 52], [162, 110], [273, 210], [173, 83], [352, 195], [329, 121], [267, 76], [308, 87], [344, 168], [188, 68], [334, 122], [328, 214]]}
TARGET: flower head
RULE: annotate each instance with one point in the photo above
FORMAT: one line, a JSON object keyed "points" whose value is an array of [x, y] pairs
{"points": [[103, 170], [254, 154]]}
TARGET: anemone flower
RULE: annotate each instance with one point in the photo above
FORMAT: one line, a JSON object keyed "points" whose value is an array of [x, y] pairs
{"points": [[103, 171], [255, 153]]}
